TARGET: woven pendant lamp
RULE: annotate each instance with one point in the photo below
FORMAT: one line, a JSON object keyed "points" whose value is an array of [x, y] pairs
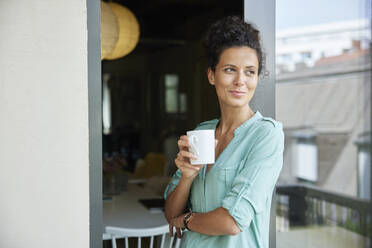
{"points": [[109, 30], [129, 31]]}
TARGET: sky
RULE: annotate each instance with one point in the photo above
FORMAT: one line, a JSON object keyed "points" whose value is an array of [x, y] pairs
{"points": [[298, 13]]}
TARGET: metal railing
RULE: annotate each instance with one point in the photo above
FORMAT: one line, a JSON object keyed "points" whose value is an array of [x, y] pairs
{"points": [[303, 205]]}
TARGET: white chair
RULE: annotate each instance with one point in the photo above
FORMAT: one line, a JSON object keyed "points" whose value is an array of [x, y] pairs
{"points": [[126, 233], [107, 236]]}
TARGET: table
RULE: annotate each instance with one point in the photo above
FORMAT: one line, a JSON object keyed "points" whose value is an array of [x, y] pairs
{"points": [[125, 211]]}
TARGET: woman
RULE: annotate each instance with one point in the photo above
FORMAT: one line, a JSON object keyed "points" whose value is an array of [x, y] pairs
{"points": [[229, 200]]}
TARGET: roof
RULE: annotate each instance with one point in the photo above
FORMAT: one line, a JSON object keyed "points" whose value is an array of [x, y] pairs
{"points": [[330, 97]]}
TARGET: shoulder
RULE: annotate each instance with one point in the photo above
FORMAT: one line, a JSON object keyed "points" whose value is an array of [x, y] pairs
{"points": [[207, 124], [268, 130], [269, 125], [271, 122], [268, 138]]}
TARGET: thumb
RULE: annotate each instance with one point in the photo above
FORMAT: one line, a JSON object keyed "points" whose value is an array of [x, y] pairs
{"points": [[215, 143]]}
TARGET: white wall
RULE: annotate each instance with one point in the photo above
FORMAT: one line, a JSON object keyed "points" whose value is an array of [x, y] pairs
{"points": [[44, 150]]}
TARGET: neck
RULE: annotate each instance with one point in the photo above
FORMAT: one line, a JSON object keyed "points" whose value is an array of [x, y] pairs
{"points": [[231, 118]]}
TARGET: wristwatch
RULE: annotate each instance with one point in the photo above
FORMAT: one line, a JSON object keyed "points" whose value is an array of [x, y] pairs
{"points": [[187, 219]]}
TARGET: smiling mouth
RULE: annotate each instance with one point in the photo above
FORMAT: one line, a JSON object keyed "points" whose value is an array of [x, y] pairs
{"points": [[237, 93]]}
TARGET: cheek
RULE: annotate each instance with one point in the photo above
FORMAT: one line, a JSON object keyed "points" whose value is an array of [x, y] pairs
{"points": [[220, 90], [252, 84], [222, 83], [224, 80]]}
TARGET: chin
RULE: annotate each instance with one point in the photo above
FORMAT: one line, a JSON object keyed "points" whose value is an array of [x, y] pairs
{"points": [[236, 104]]}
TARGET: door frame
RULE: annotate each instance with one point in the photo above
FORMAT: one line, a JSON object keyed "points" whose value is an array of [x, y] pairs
{"points": [[95, 122]]}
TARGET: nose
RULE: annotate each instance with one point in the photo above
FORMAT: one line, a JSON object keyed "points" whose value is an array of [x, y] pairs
{"points": [[240, 79]]}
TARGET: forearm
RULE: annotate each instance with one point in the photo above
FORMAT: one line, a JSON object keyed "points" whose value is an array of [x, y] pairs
{"points": [[216, 222], [175, 203]]}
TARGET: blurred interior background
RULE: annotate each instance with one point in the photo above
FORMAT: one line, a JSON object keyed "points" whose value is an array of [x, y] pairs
{"points": [[159, 90]]}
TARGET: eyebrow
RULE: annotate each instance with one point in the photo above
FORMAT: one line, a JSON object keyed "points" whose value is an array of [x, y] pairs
{"points": [[249, 66]]}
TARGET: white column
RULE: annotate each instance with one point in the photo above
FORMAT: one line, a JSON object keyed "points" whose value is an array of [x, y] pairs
{"points": [[44, 126]]}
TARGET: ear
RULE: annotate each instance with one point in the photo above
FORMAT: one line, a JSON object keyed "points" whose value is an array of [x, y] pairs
{"points": [[210, 74]]}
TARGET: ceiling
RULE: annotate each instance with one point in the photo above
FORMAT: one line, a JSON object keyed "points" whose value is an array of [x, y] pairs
{"points": [[165, 23]]}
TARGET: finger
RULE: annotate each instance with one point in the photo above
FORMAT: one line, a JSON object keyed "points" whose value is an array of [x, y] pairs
{"points": [[192, 167], [181, 163], [187, 154], [179, 235], [185, 164], [179, 156], [215, 143], [186, 158], [184, 148], [198, 165], [183, 143], [170, 230]]}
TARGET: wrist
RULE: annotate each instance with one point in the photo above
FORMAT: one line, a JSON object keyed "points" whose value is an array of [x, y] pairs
{"points": [[187, 218]]}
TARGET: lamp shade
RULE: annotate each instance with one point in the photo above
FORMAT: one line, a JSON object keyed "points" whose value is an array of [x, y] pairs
{"points": [[128, 34], [109, 30]]}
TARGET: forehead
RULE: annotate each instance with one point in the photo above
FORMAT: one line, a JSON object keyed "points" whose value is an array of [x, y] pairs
{"points": [[239, 55]]}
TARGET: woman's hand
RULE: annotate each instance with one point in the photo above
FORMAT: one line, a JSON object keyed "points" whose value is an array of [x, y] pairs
{"points": [[177, 222], [178, 230], [182, 161]]}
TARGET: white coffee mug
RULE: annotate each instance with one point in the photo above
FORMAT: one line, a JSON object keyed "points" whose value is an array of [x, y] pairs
{"points": [[202, 146]]}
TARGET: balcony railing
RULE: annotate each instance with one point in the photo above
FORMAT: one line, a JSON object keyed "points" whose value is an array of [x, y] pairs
{"points": [[303, 205]]}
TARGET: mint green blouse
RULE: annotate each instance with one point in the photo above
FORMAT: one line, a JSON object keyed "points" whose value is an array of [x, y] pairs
{"points": [[242, 181]]}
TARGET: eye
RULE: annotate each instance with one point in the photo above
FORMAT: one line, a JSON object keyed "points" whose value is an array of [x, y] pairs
{"points": [[229, 69], [250, 72]]}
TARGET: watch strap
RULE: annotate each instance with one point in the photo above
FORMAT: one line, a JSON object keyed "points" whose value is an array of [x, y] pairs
{"points": [[186, 219]]}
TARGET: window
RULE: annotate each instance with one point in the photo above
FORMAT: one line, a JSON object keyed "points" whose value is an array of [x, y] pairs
{"points": [[305, 156], [183, 103], [171, 93], [364, 165], [175, 102], [306, 55], [364, 172]]}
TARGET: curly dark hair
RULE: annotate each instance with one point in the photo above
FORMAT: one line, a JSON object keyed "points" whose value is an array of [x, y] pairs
{"points": [[231, 31]]}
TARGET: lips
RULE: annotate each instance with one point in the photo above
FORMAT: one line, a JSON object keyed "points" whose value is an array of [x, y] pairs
{"points": [[237, 93]]}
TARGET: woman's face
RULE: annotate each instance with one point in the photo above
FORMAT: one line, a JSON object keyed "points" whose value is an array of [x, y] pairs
{"points": [[236, 76]]}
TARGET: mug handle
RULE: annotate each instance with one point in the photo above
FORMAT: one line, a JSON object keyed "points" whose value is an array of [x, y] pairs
{"points": [[193, 144]]}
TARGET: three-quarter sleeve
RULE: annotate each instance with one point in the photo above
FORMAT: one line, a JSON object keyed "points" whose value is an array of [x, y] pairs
{"points": [[255, 182], [173, 183]]}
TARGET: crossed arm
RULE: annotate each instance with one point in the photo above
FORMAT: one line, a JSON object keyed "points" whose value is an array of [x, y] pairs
{"points": [[263, 171], [216, 222]]}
